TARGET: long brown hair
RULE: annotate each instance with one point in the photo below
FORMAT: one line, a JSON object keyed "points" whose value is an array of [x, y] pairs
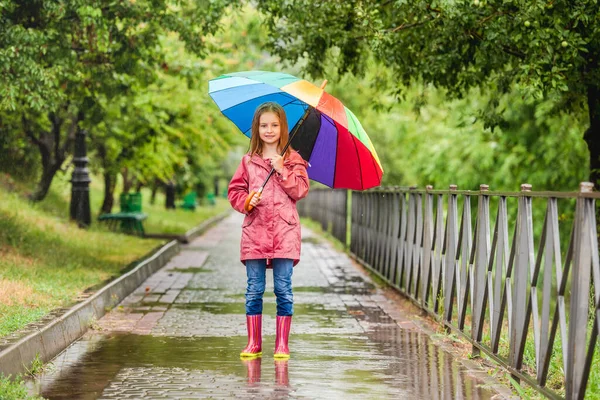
{"points": [[256, 145]]}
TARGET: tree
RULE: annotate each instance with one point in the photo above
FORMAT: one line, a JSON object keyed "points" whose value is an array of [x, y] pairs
{"points": [[550, 49], [59, 59], [171, 130]]}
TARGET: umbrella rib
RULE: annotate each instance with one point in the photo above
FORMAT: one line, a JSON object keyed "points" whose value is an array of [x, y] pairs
{"points": [[248, 79], [377, 167], [285, 94], [362, 185], [337, 149], [334, 127], [235, 87]]}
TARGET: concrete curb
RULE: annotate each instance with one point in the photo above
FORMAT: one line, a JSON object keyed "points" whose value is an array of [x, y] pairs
{"points": [[53, 338]]}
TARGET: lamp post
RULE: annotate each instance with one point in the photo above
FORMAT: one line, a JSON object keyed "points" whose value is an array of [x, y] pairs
{"points": [[80, 183]]}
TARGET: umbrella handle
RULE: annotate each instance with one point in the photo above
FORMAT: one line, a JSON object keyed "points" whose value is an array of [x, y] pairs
{"points": [[247, 205]]}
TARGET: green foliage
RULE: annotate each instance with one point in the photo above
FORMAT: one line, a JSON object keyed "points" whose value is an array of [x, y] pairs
{"points": [[171, 130], [446, 143], [14, 389], [452, 44], [64, 62], [37, 366], [53, 51]]}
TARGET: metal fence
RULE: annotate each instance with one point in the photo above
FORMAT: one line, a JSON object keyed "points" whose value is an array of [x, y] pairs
{"points": [[517, 273], [329, 208]]}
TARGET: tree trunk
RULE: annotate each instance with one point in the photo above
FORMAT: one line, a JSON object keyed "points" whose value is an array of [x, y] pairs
{"points": [[51, 163], [110, 182], [216, 184], [127, 182], [53, 152], [592, 134], [170, 195], [155, 187], [48, 172]]}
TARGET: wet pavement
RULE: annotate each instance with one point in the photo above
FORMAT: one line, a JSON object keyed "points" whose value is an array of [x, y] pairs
{"points": [[178, 336]]}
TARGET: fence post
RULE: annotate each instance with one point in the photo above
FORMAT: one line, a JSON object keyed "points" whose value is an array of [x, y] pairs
{"points": [[348, 231], [411, 239], [450, 247], [522, 264], [427, 253], [480, 266], [578, 365]]}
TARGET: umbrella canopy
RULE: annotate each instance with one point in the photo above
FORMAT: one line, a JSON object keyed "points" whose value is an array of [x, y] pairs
{"points": [[332, 140]]}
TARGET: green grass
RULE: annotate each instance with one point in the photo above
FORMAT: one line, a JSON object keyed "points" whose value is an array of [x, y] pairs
{"points": [[14, 390], [178, 221], [47, 262]]}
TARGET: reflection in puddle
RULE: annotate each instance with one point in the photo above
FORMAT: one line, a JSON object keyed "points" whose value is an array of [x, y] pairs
{"points": [[390, 363]]}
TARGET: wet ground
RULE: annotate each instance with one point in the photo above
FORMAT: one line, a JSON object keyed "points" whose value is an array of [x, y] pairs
{"points": [[179, 337]]}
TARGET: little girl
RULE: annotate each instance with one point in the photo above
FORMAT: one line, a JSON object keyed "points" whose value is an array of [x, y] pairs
{"points": [[271, 230]]}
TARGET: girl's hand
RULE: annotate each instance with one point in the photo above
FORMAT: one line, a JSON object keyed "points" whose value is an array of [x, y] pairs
{"points": [[255, 200], [277, 163]]}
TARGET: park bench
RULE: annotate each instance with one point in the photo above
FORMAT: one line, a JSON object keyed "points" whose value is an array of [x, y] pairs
{"points": [[189, 201], [130, 219]]}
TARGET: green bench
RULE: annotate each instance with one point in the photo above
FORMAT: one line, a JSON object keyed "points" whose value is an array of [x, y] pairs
{"points": [[130, 219], [189, 201]]}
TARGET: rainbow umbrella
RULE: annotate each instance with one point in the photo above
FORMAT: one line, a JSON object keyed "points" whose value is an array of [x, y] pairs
{"points": [[325, 133]]}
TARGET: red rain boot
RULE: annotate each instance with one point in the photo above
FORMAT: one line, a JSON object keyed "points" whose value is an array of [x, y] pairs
{"points": [[282, 350], [254, 347]]}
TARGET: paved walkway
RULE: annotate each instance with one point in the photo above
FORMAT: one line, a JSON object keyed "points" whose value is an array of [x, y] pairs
{"points": [[179, 337]]}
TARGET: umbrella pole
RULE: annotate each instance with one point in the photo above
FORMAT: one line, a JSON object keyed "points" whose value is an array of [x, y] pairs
{"points": [[247, 205]]}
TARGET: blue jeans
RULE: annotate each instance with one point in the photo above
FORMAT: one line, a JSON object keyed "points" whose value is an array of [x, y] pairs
{"points": [[282, 279]]}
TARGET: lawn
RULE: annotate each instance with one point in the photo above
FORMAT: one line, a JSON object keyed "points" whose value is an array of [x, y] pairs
{"points": [[47, 262]]}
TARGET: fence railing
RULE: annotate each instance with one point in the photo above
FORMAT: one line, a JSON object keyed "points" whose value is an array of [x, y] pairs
{"points": [[517, 273], [329, 208]]}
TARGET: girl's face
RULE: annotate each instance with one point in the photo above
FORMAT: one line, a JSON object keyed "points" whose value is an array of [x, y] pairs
{"points": [[269, 128]]}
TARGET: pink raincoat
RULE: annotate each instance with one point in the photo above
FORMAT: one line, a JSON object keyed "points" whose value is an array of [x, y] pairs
{"points": [[271, 229]]}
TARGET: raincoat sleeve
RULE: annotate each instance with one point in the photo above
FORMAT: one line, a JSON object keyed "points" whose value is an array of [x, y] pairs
{"points": [[294, 179], [238, 188]]}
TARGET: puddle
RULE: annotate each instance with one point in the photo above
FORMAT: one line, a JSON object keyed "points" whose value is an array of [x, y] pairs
{"points": [[387, 364], [302, 310]]}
